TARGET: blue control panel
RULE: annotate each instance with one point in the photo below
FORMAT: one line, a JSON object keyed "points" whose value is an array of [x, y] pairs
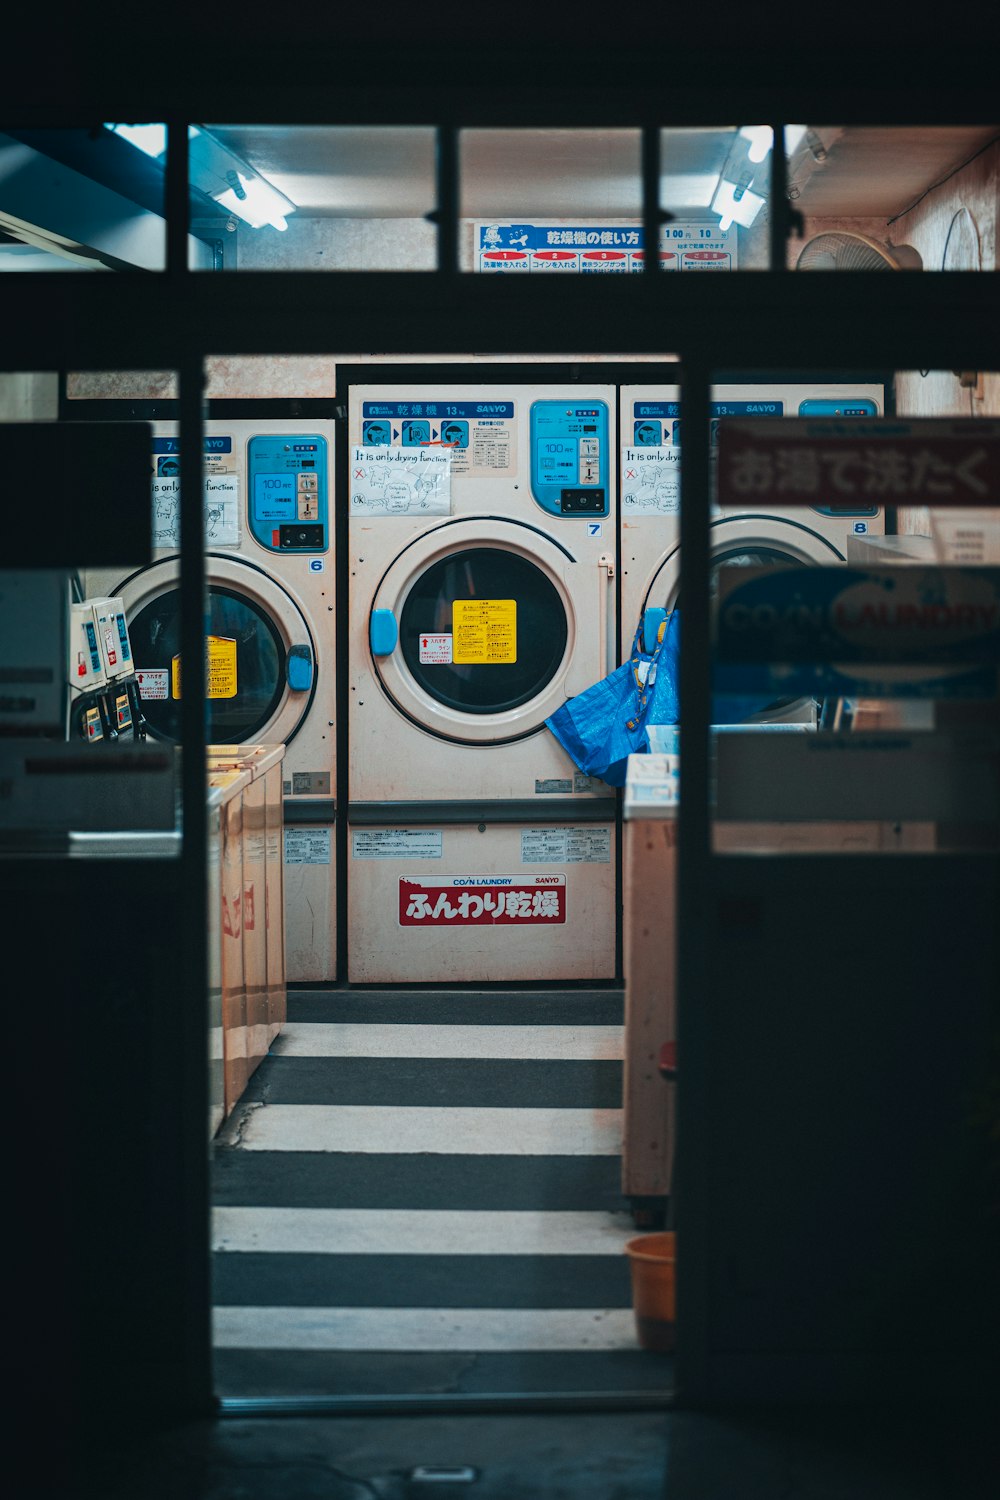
{"points": [[569, 457], [92, 647], [287, 493], [852, 407], [856, 407]]}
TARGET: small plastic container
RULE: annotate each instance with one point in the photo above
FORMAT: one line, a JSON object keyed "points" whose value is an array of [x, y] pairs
{"points": [[652, 1264]]}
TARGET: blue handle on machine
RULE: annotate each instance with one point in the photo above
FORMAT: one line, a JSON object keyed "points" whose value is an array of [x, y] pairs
{"points": [[300, 668], [383, 632], [652, 619]]}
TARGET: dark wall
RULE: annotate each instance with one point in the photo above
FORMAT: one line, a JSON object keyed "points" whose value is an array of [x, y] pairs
{"points": [[852, 1094]]}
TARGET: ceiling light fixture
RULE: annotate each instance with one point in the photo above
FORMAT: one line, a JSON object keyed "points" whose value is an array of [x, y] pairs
{"points": [[736, 204], [233, 183], [761, 138], [255, 201]]}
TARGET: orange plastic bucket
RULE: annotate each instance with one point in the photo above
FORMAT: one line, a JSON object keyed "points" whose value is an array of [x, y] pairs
{"points": [[652, 1264]]}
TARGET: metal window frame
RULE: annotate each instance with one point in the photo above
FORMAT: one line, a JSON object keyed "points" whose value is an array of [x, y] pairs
{"points": [[176, 319]]}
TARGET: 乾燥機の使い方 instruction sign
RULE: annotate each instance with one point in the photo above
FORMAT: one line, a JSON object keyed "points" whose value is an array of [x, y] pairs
{"points": [[576, 248]]}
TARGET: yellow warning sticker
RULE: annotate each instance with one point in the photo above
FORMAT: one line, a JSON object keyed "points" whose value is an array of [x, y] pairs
{"points": [[484, 631], [220, 669]]}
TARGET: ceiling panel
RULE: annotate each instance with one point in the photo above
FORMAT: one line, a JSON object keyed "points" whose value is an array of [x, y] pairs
{"points": [[388, 172]]}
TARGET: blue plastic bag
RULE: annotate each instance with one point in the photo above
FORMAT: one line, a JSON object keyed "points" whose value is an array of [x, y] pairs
{"points": [[606, 723]]}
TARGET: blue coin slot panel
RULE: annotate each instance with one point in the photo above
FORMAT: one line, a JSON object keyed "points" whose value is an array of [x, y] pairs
{"points": [[569, 457], [288, 498], [95, 655], [123, 639]]}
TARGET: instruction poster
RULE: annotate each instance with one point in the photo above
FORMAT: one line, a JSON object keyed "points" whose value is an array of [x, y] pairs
{"points": [[582, 248], [397, 843], [479, 435], [484, 631], [220, 669], [390, 481], [222, 509], [651, 481], [566, 846]]}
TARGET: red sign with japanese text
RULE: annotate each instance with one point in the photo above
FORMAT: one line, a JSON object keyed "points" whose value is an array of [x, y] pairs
{"points": [[482, 900], [856, 463]]}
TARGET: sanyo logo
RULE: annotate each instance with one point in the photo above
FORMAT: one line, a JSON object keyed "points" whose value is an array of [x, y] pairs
{"points": [[491, 408]]}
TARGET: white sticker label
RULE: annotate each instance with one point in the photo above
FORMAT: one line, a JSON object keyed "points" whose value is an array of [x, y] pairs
{"points": [[566, 846], [307, 846], [651, 481], [435, 650], [401, 481], [222, 511], [153, 683], [397, 843]]}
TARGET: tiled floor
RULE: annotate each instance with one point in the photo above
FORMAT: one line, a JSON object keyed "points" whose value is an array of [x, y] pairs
{"points": [[926, 1455]]}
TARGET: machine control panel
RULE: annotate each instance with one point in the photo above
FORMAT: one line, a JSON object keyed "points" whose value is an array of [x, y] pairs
{"points": [[112, 637], [287, 499], [657, 424], [569, 457], [86, 664]]}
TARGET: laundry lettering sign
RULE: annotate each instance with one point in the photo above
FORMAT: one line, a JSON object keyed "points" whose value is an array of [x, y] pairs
{"points": [[851, 464], [482, 900]]}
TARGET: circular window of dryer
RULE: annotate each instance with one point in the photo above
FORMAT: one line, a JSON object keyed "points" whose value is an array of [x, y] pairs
{"points": [[745, 541], [530, 638], [498, 624], [751, 542], [155, 635], [244, 606]]}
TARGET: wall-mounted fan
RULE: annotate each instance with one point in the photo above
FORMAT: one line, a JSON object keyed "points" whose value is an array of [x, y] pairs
{"points": [[836, 250], [962, 250]]}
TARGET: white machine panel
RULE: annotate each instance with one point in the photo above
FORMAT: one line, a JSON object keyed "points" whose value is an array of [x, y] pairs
{"points": [[271, 649], [482, 527]]}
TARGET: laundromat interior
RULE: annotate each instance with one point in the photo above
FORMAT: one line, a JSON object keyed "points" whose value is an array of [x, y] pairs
{"points": [[412, 1054]]}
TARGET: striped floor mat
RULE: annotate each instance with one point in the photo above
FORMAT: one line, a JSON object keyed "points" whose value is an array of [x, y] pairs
{"points": [[420, 1194]]}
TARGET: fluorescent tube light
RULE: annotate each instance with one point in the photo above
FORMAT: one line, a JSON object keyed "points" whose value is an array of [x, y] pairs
{"points": [[235, 186], [761, 138], [734, 204], [256, 201]]}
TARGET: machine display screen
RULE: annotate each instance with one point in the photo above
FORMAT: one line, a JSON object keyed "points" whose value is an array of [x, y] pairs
{"points": [[274, 497]]}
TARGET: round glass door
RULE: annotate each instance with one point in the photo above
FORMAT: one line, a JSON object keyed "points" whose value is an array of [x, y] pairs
{"points": [[249, 635], [506, 624], [739, 709]]}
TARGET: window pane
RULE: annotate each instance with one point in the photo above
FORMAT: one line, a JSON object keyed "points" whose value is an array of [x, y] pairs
{"points": [[316, 198], [522, 595], [894, 198], [84, 199]]}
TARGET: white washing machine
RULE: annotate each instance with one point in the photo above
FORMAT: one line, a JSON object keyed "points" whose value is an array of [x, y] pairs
{"points": [[482, 596], [271, 647], [650, 425]]}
